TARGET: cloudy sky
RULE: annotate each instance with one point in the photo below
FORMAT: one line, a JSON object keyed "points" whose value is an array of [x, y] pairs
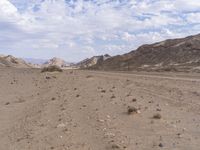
{"points": [[76, 29]]}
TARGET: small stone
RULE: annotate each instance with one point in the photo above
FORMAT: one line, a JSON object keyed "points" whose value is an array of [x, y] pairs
{"points": [[179, 135], [53, 98], [62, 125], [114, 146], [160, 145], [89, 76], [158, 109], [103, 91], [134, 100], [7, 103], [113, 96], [47, 77]]}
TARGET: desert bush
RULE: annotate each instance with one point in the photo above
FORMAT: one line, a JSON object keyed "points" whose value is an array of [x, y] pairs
{"points": [[51, 69], [157, 116], [134, 100], [170, 68], [89, 76], [132, 110], [103, 91], [113, 96]]}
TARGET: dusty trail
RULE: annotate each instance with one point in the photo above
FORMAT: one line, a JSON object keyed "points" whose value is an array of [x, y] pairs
{"points": [[164, 75], [87, 110]]}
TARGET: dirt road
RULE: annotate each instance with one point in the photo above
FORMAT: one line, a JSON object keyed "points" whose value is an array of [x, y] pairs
{"points": [[88, 110]]}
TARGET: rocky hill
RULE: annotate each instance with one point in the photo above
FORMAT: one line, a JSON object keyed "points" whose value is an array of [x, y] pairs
{"points": [[170, 55], [56, 62], [95, 60], [10, 61]]}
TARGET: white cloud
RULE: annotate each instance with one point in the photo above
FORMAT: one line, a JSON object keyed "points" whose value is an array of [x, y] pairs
{"points": [[77, 29], [8, 11], [193, 17]]}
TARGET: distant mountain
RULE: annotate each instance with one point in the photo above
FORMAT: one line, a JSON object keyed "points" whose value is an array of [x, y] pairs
{"points": [[56, 62], [171, 55], [35, 60], [89, 62], [10, 61]]}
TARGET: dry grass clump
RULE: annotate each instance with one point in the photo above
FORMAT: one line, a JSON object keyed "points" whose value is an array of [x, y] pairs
{"points": [[113, 96], [103, 91], [160, 145], [134, 100], [51, 69], [157, 116], [53, 98], [170, 68], [89, 76], [7, 103], [132, 110], [115, 146]]}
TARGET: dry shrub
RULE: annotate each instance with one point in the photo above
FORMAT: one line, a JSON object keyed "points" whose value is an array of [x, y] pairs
{"points": [[51, 69], [157, 116], [103, 91], [170, 68], [132, 110], [134, 100], [115, 146], [89, 76]]}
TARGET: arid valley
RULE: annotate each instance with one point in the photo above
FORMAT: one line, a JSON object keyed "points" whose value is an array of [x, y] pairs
{"points": [[99, 74], [96, 110]]}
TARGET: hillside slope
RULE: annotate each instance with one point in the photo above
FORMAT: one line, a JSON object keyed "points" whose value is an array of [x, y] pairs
{"points": [[176, 54], [10, 61], [56, 62], [95, 60]]}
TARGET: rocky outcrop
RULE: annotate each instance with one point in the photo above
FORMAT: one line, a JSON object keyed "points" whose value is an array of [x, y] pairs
{"points": [[95, 60], [56, 62], [10, 61], [170, 55]]}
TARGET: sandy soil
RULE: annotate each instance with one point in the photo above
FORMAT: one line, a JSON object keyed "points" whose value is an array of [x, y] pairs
{"points": [[86, 110]]}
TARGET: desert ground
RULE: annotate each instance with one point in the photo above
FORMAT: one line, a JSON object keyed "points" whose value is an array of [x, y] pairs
{"points": [[90, 110]]}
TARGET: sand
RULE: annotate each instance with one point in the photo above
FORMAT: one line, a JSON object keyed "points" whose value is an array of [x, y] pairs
{"points": [[88, 110]]}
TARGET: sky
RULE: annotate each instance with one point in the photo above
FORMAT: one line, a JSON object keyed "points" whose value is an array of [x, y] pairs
{"points": [[77, 29]]}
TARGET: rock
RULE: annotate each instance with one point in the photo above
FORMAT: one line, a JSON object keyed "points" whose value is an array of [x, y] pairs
{"points": [[53, 98], [134, 100], [115, 146], [103, 91], [160, 145], [113, 96], [7, 103], [47, 77]]}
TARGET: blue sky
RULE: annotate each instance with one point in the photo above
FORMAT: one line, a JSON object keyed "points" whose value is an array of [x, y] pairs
{"points": [[76, 29]]}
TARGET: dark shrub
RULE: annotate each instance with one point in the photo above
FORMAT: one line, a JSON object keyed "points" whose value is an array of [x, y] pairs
{"points": [[157, 116], [132, 110], [51, 69]]}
